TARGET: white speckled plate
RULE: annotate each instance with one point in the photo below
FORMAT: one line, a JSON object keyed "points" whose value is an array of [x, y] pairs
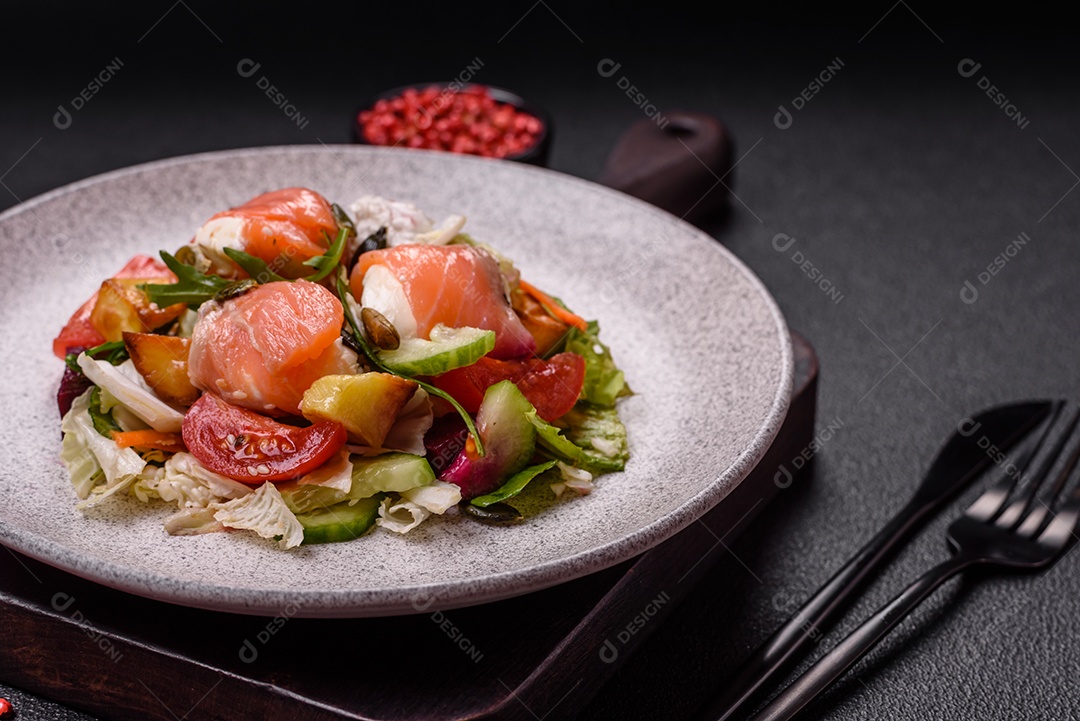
{"points": [[700, 339]]}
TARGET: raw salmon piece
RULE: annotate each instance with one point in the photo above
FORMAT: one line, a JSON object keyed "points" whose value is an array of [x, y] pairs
{"points": [[263, 349], [456, 285], [284, 228]]}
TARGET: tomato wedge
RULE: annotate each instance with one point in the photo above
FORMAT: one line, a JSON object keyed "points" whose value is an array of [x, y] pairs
{"points": [[552, 386], [252, 448], [79, 331]]}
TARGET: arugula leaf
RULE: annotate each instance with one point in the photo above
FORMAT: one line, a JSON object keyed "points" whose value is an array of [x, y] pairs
{"points": [[373, 358], [342, 219], [116, 350], [604, 382], [192, 287], [325, 264], [255, 267], [514, 486]]}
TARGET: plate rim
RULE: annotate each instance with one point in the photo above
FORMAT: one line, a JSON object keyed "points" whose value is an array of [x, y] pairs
{"points": [[489, 588]]}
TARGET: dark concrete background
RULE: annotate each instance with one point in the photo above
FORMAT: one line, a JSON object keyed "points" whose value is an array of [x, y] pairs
{"points": [[899, 181]]}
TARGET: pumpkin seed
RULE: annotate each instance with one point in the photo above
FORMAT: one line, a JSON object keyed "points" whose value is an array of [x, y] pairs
{"points": [[380, 331], [234, 290], [502, 513], [186, 255]]}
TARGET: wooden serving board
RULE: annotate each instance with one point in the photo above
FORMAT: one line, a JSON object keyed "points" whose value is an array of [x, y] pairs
{"points": [[543, 655]]}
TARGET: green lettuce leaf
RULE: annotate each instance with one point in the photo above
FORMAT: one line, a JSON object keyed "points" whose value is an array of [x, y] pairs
{"points": [[555, 443], [604, 382], [600, 428], [91, 458]]}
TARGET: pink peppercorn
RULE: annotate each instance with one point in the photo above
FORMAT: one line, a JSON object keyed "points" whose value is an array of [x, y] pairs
{"points": [[468, 121]]}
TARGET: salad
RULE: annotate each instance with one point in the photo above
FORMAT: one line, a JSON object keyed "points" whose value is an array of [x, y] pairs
{"points": [[309, 373]]}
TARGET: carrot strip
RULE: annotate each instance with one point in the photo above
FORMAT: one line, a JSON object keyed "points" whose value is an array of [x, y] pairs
{"points": [[554, 308], [149, 438]]}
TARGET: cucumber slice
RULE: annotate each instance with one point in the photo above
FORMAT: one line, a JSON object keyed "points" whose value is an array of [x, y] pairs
{"points": [[449, 348], [340, 522], [389, 472], [509, 441], [302, 498]]}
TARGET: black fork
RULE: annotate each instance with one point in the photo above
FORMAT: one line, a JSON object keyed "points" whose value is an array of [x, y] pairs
{"points": [[1009, 526]]}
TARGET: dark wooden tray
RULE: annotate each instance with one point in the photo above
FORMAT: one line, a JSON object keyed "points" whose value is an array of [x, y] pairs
{"points": [[540, 656]]}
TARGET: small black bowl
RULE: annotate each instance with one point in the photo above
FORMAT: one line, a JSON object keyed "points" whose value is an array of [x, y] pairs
{"points": [[536, 154]]}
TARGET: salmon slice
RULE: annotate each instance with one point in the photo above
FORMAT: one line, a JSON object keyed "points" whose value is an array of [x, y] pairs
{"points": [[456, 285], [284, 228], [263, 349]]}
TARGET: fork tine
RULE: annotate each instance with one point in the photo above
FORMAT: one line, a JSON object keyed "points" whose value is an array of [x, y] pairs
{"points": [[1037, 517], [1062, 528], [1023, 498], [993, 499]]}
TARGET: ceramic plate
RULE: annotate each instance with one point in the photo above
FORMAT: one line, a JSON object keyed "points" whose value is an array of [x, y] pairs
{"points": [[701, 341]]}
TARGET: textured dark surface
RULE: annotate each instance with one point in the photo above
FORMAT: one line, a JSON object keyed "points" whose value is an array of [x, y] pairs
{"points": [[900, 180]]}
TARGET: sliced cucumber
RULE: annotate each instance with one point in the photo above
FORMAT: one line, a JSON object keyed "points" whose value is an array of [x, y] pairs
{"points": [[509, 441], [389, 472], [301, 497], [340, 522], [449, 348]]}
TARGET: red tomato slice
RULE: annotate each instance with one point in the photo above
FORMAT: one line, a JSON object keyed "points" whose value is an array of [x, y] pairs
{"points": [[79, 332], [552, 386], [252, 448]]}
